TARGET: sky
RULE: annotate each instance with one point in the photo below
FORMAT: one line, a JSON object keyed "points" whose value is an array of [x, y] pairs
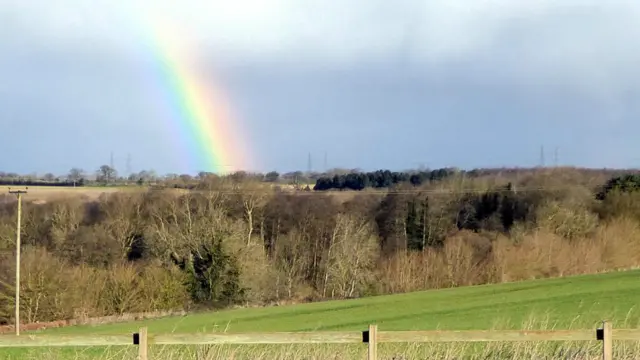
{"points": [[373, 84]]}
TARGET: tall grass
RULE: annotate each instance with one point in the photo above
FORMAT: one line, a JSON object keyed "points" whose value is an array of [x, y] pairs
{"points": [[449, 351], [566, 350]]}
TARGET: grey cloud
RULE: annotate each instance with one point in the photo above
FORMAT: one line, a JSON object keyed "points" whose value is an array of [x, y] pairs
{"points": [[534, 70], [585, 44]]}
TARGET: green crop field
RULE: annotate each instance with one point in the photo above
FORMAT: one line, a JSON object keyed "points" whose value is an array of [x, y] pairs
{"points": [[575, 302]]}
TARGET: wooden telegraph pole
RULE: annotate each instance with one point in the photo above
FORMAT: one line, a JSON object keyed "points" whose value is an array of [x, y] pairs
{"points": [[18, 194]]}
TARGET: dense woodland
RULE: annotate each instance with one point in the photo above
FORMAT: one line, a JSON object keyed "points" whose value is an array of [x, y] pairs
{"points": [[236, 241]]}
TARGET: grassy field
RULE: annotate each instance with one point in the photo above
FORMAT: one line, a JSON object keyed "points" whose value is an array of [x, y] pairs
{"points": [[49, 193], [43, 194], [576, 302]]}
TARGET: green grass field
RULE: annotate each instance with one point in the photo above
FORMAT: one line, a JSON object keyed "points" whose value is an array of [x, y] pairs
{"points": [[576, 302]]}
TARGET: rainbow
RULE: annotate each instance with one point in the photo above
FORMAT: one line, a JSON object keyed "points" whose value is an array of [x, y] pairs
{"points": [[200, 117]]}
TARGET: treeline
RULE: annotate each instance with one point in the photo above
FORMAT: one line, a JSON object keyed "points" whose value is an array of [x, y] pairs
{"points": [[38, 182], [333, 179], [242, 243], [379, 179]]}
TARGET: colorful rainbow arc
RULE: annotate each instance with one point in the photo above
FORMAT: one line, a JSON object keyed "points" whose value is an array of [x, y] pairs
{"points": [[199, 112]]}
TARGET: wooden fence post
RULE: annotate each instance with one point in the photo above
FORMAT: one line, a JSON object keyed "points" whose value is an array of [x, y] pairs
{"points": [[607, 341], [373, 343], [140, 339]]}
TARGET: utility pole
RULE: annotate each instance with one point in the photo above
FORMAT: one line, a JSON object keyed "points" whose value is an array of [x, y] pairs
{"points": [[18, 194]]}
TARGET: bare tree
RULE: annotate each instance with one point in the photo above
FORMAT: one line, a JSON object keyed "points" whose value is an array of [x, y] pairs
{"points": [[65, 220], [253, 197], [351, 256], [107, 174], [181, 224], [292, 260], [122, 221], [75, 175]]}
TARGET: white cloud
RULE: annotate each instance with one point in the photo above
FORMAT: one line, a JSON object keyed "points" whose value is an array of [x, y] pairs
{"points": [[589, 42]]}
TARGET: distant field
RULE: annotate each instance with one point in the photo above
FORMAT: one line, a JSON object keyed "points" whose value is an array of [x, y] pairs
{"points": [[42, 194], [48, 193], [576, 302]]}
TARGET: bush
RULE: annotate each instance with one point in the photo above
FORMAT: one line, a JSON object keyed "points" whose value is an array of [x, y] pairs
{"points": [[567, 222]]}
